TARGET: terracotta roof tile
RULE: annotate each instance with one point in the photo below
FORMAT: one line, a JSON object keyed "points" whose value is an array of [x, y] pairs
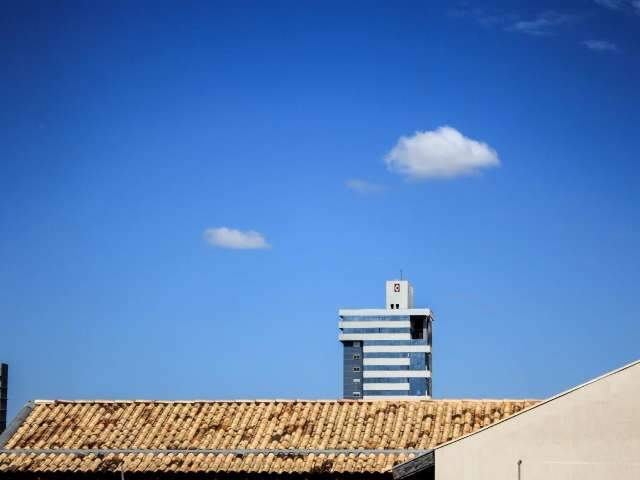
{"points": [[139, 436]]}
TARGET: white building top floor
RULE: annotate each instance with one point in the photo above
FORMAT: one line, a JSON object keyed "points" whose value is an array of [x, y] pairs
{"points": [[379, 312]]}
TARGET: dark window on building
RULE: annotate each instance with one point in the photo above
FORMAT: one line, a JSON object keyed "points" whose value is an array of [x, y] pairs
{"points": [[356, 356], [392, 306], [397, 306], [417, 327], [356, 369], [356, 394]]}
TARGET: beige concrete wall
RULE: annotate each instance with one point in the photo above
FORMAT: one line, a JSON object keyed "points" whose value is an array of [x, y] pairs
{"points": [[589, 433]]}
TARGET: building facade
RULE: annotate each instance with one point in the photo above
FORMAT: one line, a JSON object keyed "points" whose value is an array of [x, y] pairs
{"points": [[590, 432], [387, 351]]}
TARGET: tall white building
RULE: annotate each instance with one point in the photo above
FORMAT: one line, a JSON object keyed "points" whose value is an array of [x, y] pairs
{"points": [[387, 351]]}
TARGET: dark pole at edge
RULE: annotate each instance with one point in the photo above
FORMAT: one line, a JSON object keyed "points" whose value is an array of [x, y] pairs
{"points": [[4, 387]]}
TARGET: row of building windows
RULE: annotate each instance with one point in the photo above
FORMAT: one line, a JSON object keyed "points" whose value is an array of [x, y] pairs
{"points": [[397, 342], [417, 329], [421, 364], [374, 393], [394, 368], [380, 368], [411, 380], [375, 318], [377, 330], [391, 354]]}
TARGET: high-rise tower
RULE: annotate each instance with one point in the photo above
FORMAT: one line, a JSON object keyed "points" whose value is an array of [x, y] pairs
{"points": [[387, 351]]}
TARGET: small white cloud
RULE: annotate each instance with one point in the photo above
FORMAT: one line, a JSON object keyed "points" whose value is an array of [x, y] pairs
{"points": [[612, 4], [543, 24], [601, 46], [224, 237], [621, 5], [443, 153], [362, 186]]}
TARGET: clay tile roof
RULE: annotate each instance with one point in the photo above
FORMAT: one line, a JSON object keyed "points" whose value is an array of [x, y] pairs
{"points": [[265, 436]]}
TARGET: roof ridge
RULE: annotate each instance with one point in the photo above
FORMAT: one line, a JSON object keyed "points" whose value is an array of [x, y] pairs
{"points": [[281, 400], [215, 451]]}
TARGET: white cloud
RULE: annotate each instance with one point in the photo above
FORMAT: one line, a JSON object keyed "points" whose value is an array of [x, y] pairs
{"points": [[362, 186], [601, 46], [224, 237], [543, 24], [443, 153], [612, 4], [620, 5]]}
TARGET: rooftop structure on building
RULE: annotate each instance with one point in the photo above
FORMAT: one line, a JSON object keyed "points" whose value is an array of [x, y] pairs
{"points": [[387, 351]]}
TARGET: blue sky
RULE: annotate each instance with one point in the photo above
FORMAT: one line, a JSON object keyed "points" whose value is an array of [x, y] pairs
{"points": [[488, 151]]}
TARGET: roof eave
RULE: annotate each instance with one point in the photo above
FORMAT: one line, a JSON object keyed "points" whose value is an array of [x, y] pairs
{"points": [[15, 423], [411, 468]]}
